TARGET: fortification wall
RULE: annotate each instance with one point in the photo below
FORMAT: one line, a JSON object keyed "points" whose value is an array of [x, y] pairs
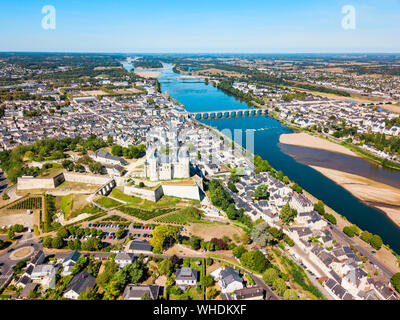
{"points": [[151, 195], [85, 178], [26, 183], [182, 191]]}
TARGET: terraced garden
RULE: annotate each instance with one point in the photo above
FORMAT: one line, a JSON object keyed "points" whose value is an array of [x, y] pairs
{"points": [[145, 214], [182, 217], [32, 203]]}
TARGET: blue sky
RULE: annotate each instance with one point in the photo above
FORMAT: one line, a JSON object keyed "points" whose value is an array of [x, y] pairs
{"points": [[252, 26]]}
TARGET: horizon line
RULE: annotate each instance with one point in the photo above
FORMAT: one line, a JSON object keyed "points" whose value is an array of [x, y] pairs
{"points": [[210, 53]]}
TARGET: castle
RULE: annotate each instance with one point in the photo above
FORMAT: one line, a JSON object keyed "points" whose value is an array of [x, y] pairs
{"points": [[165, 158]]}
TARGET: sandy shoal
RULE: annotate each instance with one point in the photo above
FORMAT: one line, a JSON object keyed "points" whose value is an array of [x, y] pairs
{"points": [[303, 139], [148, 74], [376, 194]]}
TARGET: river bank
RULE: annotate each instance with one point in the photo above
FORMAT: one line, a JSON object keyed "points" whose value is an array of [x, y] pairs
{"points": [[381, 196], [303, 139]]}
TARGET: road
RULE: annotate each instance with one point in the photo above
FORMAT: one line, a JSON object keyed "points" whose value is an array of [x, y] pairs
{"points": [[366, 253], [7, 264], [316, 269]]}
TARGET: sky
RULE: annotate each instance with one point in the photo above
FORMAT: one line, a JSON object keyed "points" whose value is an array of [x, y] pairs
{"points": [[203, 26]]}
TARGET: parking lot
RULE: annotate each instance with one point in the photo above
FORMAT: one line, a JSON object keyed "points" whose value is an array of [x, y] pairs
{"points": [[110, 230]]}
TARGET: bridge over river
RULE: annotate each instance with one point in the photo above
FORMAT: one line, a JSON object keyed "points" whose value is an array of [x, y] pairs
{"points": [[202, 115]]}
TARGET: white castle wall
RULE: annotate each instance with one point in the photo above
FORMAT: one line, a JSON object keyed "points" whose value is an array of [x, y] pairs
{"points": [[151, 195], [26, 183], [182, 191], [86, 178]]}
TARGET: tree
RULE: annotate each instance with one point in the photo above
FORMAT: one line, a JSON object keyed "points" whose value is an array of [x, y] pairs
{"points": [[62, 233], [11, 235], [17, 228], [120, 233], [166, 266], [208, 281], [88, 295], [110, 268], [297, 188], [219, 244], [47, 242], [261, 235], [290, 294], [163, 234], [270, 275], [245, 237], [92, 244], [116, 150], [376, 242], [348, 231], [261, 192], [175, 260], [320, 207], [232, 187], [279, 286], [212, 293], [195, 242], [287, 214], [135, 271], [395, 281], [254, 260], [366, 236], [238, 251], [276, 233], [57, 243]]}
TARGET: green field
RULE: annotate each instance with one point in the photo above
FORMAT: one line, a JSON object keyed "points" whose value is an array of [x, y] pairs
{"points": [[118, 194], [108, 202], [66, 204], [87, 209]]}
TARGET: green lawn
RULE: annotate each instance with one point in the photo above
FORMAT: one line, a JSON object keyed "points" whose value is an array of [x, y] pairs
{"points": [[66, 204], [107, 202], [87, 209], [118, 194]]}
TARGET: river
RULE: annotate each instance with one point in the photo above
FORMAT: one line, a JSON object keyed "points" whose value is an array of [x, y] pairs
{"points": [[197, 96]]}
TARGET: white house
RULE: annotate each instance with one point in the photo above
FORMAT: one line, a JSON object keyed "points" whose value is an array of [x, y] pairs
{"points": [[229, 279], [123, 259]]}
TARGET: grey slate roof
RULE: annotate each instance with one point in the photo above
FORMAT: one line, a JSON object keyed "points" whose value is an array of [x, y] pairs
{"points": [[81, 282], [134, 291], [186, 274], [74, 256], [229, 275], [140, 245]]}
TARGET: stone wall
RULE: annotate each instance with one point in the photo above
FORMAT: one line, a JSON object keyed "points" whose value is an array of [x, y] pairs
{"points": [[174, 190], [26, 183], [151, 195], [86, 178], [182, 191]]}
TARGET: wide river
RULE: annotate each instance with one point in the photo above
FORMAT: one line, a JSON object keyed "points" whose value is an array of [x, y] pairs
{"points": [[197, 96]]}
